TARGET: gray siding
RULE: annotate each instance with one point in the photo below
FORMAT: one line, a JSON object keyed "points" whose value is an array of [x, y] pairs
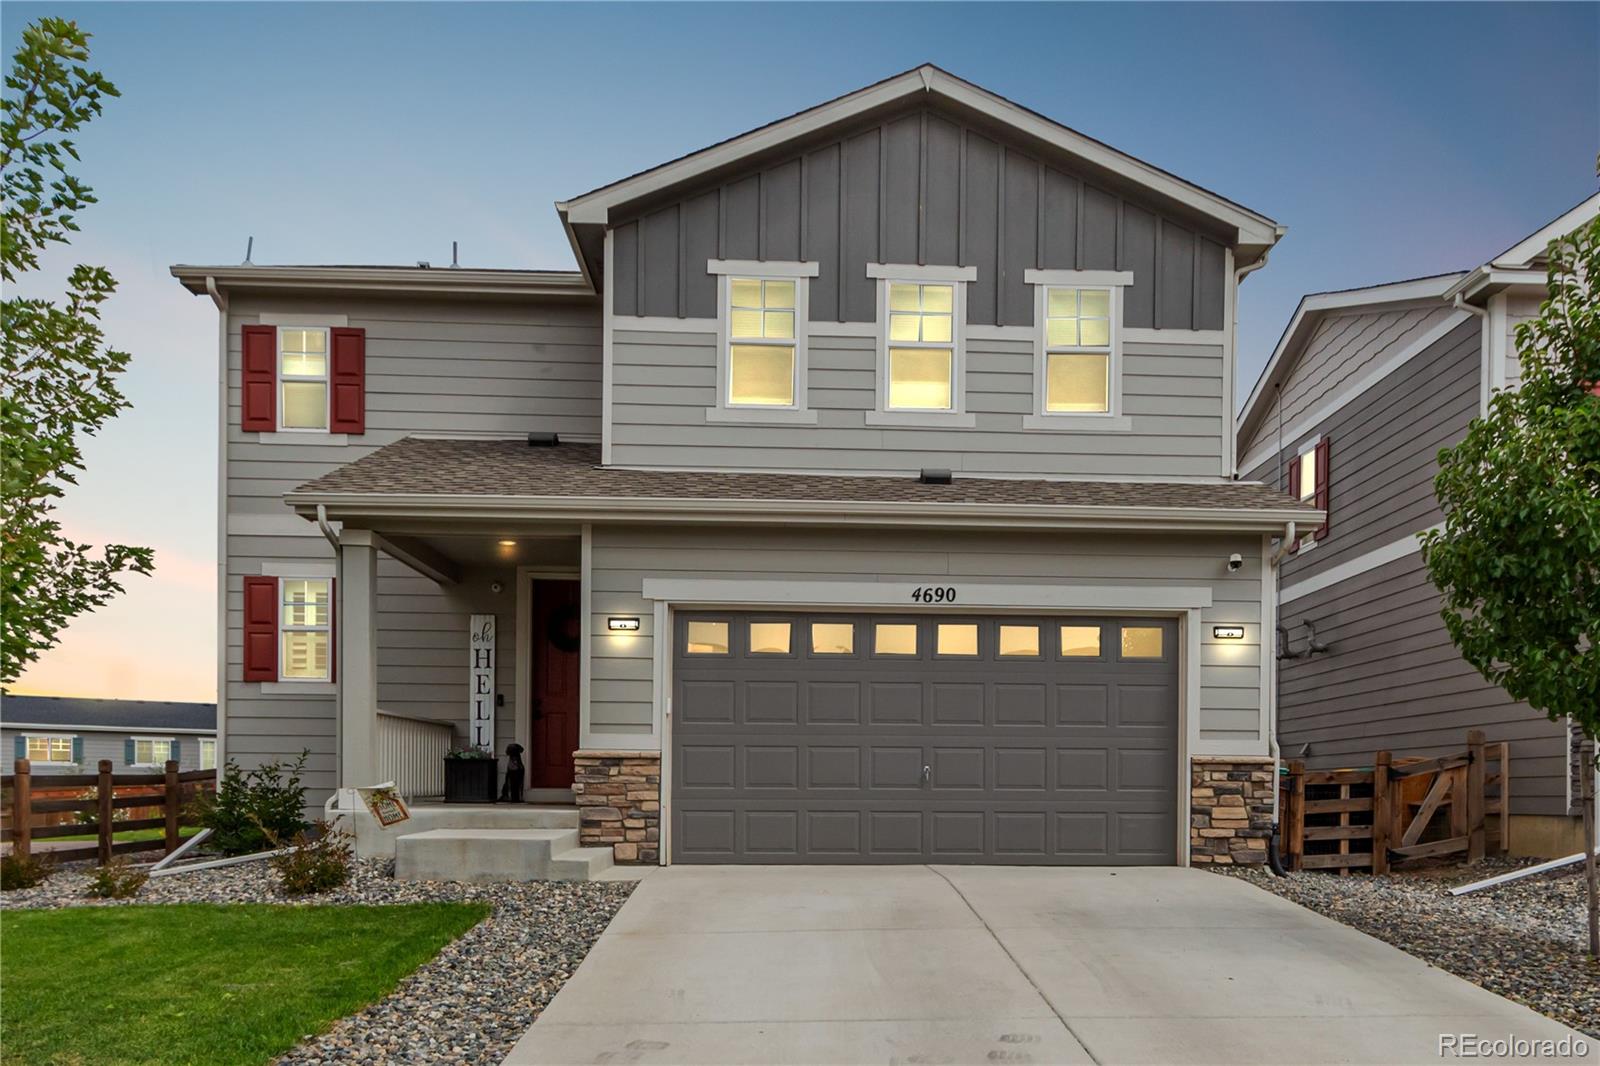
{"points": [[663, 382], [97, 746], [1395, 681], [623, 556], [495, 368], [918, 188]]}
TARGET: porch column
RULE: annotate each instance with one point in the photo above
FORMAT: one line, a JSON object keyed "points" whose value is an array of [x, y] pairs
{"points": [[358, 659]]}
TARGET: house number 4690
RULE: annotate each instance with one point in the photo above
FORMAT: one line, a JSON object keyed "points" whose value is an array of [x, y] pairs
{"points": [[934, 594]]}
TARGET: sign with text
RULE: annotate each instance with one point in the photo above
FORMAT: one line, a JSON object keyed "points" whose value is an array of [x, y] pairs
{"points": [[480, 681]]}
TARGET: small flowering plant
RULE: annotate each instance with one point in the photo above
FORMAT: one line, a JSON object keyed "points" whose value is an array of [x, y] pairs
{"points": [[470, 752]]}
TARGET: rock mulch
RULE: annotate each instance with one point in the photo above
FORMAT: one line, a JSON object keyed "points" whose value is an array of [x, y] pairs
{"points": [[470, 1004], [1525, 941]]}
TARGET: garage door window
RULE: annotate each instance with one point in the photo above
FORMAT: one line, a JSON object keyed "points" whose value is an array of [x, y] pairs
{"points": [[769, 638], [1080, 642], [1019, 642], [707, 638], [957, 638], [833, 638], [1141, 642], [892, 638]]}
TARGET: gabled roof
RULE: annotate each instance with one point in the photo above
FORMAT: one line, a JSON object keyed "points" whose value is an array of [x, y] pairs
{"points": [[1523, 262], [1310, 312], [129, 716], [500, 479], [1254, 232]]}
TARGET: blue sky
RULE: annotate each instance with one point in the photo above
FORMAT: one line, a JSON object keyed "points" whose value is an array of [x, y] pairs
{"points": [[1393, 141]]}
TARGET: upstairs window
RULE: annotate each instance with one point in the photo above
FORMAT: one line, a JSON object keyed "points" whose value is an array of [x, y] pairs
{"points": [[761, 342], [1308, 483], [922, 347], [303, 378], [1078, 349]]}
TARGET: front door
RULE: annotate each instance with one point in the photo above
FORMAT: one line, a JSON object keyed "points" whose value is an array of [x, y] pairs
{"points": [[557, 632]]}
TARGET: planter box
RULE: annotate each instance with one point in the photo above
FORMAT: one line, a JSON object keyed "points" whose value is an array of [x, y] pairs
{"points": [[471, 780]]}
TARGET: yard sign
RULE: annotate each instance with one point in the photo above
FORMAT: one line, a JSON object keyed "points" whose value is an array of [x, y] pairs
{"points": [[480, 678]]}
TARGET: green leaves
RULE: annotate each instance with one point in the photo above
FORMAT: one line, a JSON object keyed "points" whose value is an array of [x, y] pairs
{"points": [[1518, 559], [58, 378]]}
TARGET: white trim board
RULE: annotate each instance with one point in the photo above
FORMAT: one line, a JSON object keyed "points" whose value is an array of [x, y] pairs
{"points": [[102, 729], [898, 595], [1353, 389], [1359, 565]]}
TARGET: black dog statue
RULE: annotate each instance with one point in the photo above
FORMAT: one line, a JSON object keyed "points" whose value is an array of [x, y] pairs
{"points": [[512, 791]]}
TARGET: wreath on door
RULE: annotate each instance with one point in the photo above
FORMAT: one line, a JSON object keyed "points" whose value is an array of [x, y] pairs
{"points": [[562, 629]]}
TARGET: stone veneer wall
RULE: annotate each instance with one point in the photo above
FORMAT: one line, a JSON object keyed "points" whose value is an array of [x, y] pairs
{"points": [[1230, 814], [619, 802]]}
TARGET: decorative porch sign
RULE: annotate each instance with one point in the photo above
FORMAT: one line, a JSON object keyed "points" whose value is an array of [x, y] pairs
{"points": [[480, 680]]}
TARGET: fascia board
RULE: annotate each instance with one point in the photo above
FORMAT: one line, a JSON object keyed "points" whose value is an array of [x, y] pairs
{"points": [[140, 730], [1530, 247]]}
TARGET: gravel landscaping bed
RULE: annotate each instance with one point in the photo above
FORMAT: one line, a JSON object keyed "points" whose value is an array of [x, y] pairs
{"points": [[1525, 941], [468, 1005]]}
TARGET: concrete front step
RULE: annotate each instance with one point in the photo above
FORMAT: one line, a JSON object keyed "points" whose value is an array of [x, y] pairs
{"points": [[488, 855], [375, 841]]}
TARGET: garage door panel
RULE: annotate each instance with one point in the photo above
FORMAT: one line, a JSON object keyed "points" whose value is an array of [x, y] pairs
{"points": [[1031, 759]]}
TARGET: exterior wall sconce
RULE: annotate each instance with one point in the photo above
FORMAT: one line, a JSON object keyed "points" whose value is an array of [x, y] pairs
{"points": [[1227, 632], [622, 625]]}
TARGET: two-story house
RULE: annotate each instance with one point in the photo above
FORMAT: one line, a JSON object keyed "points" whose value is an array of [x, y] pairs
{"points": [[865, 495], [1363, 390]]}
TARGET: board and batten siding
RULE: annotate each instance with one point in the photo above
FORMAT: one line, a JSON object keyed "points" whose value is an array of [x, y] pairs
{"points": [[624, 556], [926, 188], [663, 382], [491, 368], [1395, 681]]}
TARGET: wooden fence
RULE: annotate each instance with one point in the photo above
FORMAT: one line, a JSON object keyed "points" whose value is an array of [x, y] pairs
{"points": [[1401, 809], [169, 791]]}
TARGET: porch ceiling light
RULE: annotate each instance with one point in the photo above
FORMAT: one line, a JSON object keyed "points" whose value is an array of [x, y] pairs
{"points": [[1227, 632], [622, 625], [508, 544]]}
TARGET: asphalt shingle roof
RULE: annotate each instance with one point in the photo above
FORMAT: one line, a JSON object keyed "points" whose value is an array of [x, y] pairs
{"points": [[132, 715], [437, 467]]}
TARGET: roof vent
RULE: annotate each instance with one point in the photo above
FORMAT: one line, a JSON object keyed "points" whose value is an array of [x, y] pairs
{"points": [[934, 476], [543, 440]]}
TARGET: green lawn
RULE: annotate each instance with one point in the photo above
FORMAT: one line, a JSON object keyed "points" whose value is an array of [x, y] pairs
{"points": [[199, 983], [135, 834]]}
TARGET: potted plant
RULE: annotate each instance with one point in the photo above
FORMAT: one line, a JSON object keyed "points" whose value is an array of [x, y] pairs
{"points": [[470, 775]]}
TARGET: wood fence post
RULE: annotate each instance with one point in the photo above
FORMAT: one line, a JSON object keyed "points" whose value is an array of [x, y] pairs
{"points": [[103, 793], [1474, 797], [22, 809], [1505, 797], [1381, 815], [172, 806], [1295, 826]]}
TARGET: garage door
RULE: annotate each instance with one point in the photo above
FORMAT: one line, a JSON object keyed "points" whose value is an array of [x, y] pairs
{"points": [[830, 738]]}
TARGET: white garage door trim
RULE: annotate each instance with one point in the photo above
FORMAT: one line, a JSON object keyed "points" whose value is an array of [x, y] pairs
{"points": [[1183, 602]]}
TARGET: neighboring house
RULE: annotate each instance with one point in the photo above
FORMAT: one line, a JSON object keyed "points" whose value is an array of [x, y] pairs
{"points": [[865, 495], [1363, 390], [68, 735]]}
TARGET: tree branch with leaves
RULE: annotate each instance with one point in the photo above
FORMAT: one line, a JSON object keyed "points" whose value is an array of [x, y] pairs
{"points": [[58, 375]]}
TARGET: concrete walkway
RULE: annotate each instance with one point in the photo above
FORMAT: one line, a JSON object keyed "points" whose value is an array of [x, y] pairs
{"points": [[917, 964]]}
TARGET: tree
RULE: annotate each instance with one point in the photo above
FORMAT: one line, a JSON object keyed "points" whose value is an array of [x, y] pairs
{"points": [[58, 377], [1518, 557]]}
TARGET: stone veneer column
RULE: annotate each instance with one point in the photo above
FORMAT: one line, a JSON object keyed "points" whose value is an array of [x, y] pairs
{"points": [[1230, 813], [619, 802]]}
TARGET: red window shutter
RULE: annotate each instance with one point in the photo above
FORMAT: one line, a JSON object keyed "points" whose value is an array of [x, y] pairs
{"points": [[1323, 481], [261, 629], [1294, 477], [258, 381], [347, 380]]}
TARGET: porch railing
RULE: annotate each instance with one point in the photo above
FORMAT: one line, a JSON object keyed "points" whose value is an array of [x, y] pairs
{"points": [[411, 753]]}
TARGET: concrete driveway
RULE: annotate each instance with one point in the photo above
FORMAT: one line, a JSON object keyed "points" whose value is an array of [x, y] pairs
{"points": [[918, 964]]}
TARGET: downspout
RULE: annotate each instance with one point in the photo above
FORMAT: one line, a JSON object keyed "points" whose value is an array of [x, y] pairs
{"points": [[1274, 861], [338, 645], [221, 303]]}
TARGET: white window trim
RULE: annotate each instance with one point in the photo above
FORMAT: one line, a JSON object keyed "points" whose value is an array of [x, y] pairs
{"points": [[68, 737], [201, 752], [168, 741], [303, 684], [1308, 540], [956, 416], [326, 379], [801, 273], [1112, 420]]}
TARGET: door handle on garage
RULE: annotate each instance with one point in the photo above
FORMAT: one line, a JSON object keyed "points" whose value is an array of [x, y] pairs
{"points": [[927, 772]]}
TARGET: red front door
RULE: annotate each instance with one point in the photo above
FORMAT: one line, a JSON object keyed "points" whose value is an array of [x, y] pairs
{"points": [[557, 630]]}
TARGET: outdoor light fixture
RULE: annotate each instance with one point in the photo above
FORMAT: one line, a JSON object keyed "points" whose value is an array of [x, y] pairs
{"points": [[622, 625], [1228, 632], [508, 544]]}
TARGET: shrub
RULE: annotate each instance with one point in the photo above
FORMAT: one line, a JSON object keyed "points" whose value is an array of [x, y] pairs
{"points": [[24, 871], [253, 808], [320, 863], [117, 879]]}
